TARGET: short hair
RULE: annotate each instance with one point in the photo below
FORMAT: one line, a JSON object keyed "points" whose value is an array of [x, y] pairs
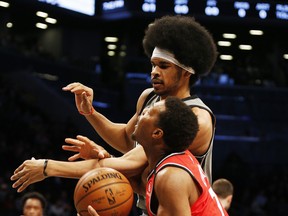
{"points": [[223, 187], [179, 123], [188, 40], [34, 195]]}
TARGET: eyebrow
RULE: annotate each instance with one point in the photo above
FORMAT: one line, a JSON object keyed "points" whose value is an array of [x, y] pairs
{"points": [[162, 61]]}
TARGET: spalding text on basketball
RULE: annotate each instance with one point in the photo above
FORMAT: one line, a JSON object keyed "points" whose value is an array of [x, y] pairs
{"points": [[92, 181]]}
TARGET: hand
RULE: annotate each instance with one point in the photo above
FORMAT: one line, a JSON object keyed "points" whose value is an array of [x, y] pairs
{"points": [[91, 211], [83, 96], [86, 148], [29, 172]]}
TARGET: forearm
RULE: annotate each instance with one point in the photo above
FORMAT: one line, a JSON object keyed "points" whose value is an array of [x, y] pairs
{"points": [[70, 169], [114, 134], [130, 164]]}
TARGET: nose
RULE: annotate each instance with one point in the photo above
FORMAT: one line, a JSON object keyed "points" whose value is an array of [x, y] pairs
{"points": [[154, 72]]}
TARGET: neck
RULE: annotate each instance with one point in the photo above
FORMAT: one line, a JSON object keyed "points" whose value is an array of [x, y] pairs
{"points": [[154, 155], [178, 94]]}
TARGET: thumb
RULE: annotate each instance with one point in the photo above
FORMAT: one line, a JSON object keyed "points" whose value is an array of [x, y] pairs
{"points": [[101, 155], [92, 211], [85, 99]]}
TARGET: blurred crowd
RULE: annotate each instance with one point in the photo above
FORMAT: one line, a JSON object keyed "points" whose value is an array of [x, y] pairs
{"points": [[26, 131]]}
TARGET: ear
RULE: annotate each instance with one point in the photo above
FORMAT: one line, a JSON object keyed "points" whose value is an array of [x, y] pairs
{"points": [[187, 74], [157, 133], [229, 199]]}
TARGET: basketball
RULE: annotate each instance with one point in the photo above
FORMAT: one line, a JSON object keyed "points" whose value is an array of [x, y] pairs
{"points": [[106, 190]]}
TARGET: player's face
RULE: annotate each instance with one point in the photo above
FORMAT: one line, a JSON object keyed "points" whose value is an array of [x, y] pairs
{"points": [[166, 77], [32, 207], [146, 123]]}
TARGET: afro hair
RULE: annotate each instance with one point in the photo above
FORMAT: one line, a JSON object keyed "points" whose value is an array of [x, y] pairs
{"points": [[188, 40]]}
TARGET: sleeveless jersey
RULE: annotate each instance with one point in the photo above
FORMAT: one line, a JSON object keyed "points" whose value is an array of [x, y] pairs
{"points": [[206, 204], [205, 160]]}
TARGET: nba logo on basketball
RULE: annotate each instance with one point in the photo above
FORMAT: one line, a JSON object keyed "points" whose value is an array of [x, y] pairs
{"points": [[110, 196], [108, 191]]}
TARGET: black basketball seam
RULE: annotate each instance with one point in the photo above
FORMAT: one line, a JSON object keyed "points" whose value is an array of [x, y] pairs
{"points": [[110, 207]]}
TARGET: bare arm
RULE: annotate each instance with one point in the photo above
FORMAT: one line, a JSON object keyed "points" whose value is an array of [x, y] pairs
{"points": [[130, 164], [31, 171], [173, 193], [201, 143], [115, 134]]}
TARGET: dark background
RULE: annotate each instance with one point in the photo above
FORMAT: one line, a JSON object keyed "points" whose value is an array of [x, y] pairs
{"points": [[247, 94]]}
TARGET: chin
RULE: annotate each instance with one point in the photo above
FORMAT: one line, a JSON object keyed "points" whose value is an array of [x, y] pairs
{"points": [[159, 92]]}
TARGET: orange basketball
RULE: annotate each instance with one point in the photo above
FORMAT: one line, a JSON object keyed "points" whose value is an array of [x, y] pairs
{"points": [[105, 189]]}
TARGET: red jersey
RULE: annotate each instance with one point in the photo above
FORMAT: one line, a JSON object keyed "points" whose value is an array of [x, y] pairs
{"points": [[206, 204]]}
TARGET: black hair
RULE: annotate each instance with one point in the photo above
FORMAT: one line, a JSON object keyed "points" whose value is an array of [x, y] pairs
{"points": [[34, 195], [188, 40], [179, 123]]}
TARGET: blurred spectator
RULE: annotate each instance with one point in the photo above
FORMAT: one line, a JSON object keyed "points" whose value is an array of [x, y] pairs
{"points": [[224, 190], [33, 204]]}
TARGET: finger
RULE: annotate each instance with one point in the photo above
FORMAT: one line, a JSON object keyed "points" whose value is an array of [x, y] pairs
{"points": [[74, 142], [74, 157], [19, 168], [23, 187], [23, 182], [15, 185], [85, 99], [71, 85], [16, 176], [101, 155], [92, 211], [70, 148], [13, 177], [83, 138], [77, 88], [18, 182]]}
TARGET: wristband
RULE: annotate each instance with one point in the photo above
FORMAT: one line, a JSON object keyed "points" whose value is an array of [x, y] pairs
{"points": [[44, 168], [90, 113]]}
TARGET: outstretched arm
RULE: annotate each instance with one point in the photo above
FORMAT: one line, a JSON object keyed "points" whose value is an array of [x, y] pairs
{"points": [[115, 134], [31, 171]]}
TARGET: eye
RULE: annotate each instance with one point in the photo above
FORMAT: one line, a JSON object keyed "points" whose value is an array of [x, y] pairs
{"points": [[163, 66]]}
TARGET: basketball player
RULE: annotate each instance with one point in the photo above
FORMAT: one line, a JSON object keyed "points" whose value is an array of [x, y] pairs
{"points": [[224, 190], [33, 204], [181, 51], [165, 131]]}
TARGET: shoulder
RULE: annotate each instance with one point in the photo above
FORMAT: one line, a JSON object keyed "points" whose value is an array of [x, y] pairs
{"points": [[167, 180], [146, 92], [204, 117], [204, 136], [142, 98]]}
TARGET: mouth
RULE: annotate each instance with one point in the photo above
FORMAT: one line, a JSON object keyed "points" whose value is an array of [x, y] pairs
{"points": [[156, 85], [156, 82]]}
